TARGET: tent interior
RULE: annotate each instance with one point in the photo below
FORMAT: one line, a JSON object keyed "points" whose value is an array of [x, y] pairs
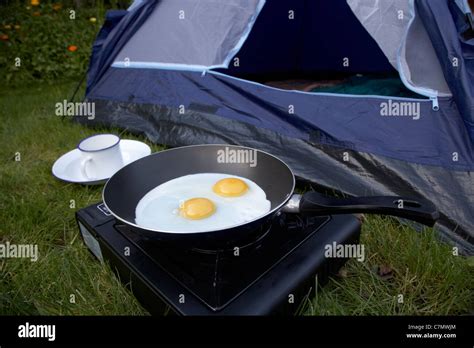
{"points": [[315, 46]]}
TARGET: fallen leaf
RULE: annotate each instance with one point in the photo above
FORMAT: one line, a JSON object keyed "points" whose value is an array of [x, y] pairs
{"points": [[385, 272], [342, 273]]}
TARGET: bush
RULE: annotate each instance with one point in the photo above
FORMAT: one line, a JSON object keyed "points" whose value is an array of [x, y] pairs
{"points": [[52, 41]]}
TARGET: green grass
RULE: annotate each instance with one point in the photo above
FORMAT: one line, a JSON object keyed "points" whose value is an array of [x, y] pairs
{"points": [[431, 279], [35, 208]]}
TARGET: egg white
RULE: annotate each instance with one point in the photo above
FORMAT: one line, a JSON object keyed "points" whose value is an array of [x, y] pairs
{"points": [[159, 208]]}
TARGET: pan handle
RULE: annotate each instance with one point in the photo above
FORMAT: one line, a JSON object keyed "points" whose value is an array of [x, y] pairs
{"points": [[421, 211]]}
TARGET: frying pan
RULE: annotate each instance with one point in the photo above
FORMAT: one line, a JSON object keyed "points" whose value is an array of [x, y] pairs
{"points": [[125, 188]]}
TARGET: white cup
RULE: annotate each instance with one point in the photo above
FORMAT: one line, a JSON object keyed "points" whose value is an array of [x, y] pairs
{"points": [[101, 156]]}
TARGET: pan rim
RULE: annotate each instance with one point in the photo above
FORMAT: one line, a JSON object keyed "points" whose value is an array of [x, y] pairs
{"points": [[272, 211]]}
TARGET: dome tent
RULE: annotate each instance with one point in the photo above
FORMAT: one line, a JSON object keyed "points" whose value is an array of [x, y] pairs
{"points": [[188, 72]]}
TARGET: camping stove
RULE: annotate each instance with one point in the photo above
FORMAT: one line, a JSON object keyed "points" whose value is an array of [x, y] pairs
{"points": [[272, 274]]}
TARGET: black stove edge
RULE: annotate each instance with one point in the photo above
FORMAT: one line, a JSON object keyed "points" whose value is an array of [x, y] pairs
{"points": [[343, 229], [299, 269], [132, 279]]}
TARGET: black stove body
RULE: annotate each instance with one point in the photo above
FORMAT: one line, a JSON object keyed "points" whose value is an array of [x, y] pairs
{"points": [[272, 274]]}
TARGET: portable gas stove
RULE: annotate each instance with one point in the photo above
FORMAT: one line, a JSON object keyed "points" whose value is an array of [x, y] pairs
{"points": [[272, 274]]}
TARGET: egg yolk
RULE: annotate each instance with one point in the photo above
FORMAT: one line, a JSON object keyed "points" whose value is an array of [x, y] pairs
{"points": [[197, 208], [230, 187]]}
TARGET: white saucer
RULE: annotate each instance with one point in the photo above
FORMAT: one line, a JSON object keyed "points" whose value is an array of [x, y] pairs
{"points": [[66, 168]]}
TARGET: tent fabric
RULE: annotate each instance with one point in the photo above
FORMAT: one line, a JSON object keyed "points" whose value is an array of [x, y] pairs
{"points": [[445, 22], [387, 30], [403, 38], [205, 33], [427, 152], [431, 139], [112, 18], [121, 27], [418, 61], [463, 6], [135, 4]]}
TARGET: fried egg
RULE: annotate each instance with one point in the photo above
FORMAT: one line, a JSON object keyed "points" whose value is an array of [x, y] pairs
{"points": [[201, 202]]}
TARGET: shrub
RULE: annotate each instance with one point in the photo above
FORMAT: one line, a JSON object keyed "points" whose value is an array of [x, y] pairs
{"points": [[48, 41]]}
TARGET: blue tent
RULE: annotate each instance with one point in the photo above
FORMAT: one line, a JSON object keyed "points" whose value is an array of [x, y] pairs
{"points": [[187, 72]]}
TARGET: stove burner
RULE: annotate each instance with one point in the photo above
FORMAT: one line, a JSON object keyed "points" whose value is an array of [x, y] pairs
{"points": [[254, 277], [215, 276]]}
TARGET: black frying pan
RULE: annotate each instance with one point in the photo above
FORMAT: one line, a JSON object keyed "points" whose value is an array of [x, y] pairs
{"points": [[124, 190]]}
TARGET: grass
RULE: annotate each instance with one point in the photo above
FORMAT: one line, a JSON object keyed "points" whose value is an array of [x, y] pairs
{"points": [[36, 208], [424, 271]]}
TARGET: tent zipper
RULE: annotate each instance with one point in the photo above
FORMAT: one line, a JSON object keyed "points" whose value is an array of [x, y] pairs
{"points": [[426, 92], [434, 103]]}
